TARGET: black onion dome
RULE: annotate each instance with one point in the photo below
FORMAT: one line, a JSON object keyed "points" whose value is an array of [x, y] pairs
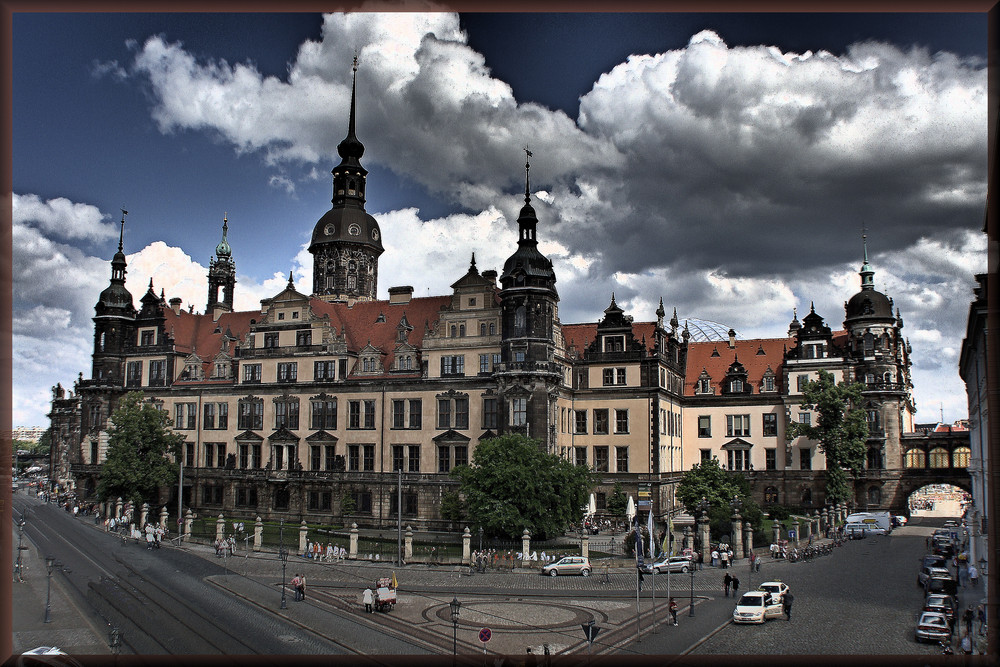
{"points": [[349, 225], [868, 304]]}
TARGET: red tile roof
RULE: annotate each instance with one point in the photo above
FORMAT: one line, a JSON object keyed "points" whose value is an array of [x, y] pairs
{"points": [[699, 356], [582, 335]]}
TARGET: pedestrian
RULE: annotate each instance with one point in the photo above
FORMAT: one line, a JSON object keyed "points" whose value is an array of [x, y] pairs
{"points": [[368, 598], [967, 617], [295, 586], [756, 567], [672, 606], [715, 557], [973, 574], [736, 586], [329, 552], [701, 560], [302, 587], [724, 558], [726, 583], [786, 604], [753, 557]]}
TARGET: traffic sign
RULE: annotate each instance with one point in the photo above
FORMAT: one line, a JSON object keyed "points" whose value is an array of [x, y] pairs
{"points": [[590, 631], [791, 534], [485, 634]]}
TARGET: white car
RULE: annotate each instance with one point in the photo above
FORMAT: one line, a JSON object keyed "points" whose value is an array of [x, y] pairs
{"points": [[757, 607], [777, 589], [44, 650]]}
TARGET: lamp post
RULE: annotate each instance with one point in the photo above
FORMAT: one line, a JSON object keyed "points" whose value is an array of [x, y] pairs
{"points": [[455, 606], [49, 564], [18, 565], [480, 567], [283, 556]]}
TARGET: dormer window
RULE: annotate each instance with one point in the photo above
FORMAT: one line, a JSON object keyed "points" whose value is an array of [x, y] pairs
{"points": [[736, 386], [147, 337], [472, 302], [614, 343], [703, 386]]}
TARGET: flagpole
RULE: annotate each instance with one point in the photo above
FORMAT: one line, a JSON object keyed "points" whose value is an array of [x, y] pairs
{"points": [[638, 560], [652, 557]]}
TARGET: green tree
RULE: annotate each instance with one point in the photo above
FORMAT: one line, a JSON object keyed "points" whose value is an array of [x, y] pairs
{"points": [[840, 429], [347, 504], [709, 481], [44, 443], [617, 502], [139, 443], [513, 484], [452, 508]]}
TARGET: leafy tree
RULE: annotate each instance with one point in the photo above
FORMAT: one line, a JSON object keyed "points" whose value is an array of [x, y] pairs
{"points": [[139, 442], [617, 502], [513, 484], [45, 442], [841, 430], [452, 508], [708, 480], [347, 504]]}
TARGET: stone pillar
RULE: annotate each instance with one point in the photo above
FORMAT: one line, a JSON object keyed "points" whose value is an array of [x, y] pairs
{"points": [[352, 552], [737, 535], [466, 548], [408, 544], [303, 533], [258, 534], [163, 517], [188, 520], [795, 527], [815, 523], [220, 527], [118, 508], [525, 545], [806, 529], [823, 521], [748, 528], [685, 541], [144, 514], [706, 538], [776, 529], [585, 546]]}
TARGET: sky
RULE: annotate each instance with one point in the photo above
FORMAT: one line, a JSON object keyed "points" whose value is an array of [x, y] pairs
{"points": [[726, 163]]}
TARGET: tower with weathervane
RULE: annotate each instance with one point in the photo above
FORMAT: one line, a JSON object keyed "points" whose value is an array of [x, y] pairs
{"points": [[346, 242], [221, 276]]}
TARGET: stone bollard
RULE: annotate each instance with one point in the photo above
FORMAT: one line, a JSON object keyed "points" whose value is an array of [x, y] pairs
{"points": [[144, 514], [408, 544], [466, 548], [706, 542], [795, 527], [815, 524], [749, 532], [737, 536], [525, 545], [585, 546], [303, 533], [353, 548], [776, 529], [188, 520], [163, 517], [220, 527], [118, 508], [258, 534]]}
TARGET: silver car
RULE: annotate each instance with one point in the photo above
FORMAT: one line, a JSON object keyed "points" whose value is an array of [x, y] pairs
{"points": [[674, 564], [933, 626], [569, 565]]}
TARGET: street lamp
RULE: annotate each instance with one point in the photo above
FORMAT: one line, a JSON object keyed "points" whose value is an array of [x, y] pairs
{"points": [[18, 566], [283, 556], [49, 564], [691, 606], [455, 606]]}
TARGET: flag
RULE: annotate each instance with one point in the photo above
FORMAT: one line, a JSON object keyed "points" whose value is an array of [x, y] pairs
{"points": [[638, 545], [394, 579], [667, 537], [649, 527]]}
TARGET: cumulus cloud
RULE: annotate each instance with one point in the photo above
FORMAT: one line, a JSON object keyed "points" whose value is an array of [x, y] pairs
{"points": [[61, 218]]}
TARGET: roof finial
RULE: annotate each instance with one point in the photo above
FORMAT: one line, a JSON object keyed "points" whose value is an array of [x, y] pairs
{"points": [[864, 242], [121, 235], [527, 166], [291, 285]]}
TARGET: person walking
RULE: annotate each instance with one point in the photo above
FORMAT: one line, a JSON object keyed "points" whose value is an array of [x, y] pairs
{"points": [[302, 587], [786, 604], [295, 586], [736, 586], [701, 560], [727, 581], [672, 607], [967, 617], [715, 557], [973, 574], [368, 597]]}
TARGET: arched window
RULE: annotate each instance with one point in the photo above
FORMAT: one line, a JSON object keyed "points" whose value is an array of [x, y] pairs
{"points": [[454, 331], [461, 330], [915, 458], [771, 494], [520, 321], [939, 457], [874, 496], [493, 328], [482, 328], [960, 457], [869, 343]]}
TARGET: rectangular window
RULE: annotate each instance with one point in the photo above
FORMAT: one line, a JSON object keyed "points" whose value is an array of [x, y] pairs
{"points": [[133, 374], [398, 413], [484, 364], [324, 414], [363, 502], [354, 457], [369, 414], [315, 457], [737, 426], [209, 454], [409, 504], [519, 411], [414, 456], [601, 459], [342, 368], [770, 459], [288, 372], [212, 494], [208, 421], [444, 413], [286, 414], [147, 337], [601, 421], [805, 458], [397, 458], [608, 377], [580, 422], [621, 459], [251, 372], [461, 455], [185, 416], [768, 383], [188, 455], [220, 452], [416, 406], [304, 337], [770, 425], [453, 365], [704, 426], [369, 458], [621, 421], [246, 497], [805, 418], [444, 458], [244, 456], [706, 455], [157, 373], [461, 413], [324, 370], [489, 412], [270, 340], [614, 343], [580, 455], [354, 414], [800, 382], [330, 460], [251, 415], [601, 501]]}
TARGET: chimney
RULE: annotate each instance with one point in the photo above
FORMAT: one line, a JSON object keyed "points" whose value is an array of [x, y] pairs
{"points": [[732, 339], [401, 294], [490, 275], [175, 305]]}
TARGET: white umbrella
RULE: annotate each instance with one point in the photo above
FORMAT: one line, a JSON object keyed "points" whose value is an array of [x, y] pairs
{"points": [[630, 509], [592, 505]]}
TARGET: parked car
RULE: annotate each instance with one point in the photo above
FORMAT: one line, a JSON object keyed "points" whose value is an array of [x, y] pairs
{"points": [[899, 520], [672, 563], [932, 571], [943, 546], [45, 650], [943, 604], [777, 589], [569, 565], [942, 585], [756, 607], [950, 523], [935, 560], [932, 626]]}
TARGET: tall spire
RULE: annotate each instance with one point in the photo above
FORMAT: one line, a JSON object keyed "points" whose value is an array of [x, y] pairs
{"points": [[866, 270], [351, 146], [121, 235], [527, 167]]}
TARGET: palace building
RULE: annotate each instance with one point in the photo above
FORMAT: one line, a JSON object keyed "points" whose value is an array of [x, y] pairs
{"points": [[320, 398]]}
